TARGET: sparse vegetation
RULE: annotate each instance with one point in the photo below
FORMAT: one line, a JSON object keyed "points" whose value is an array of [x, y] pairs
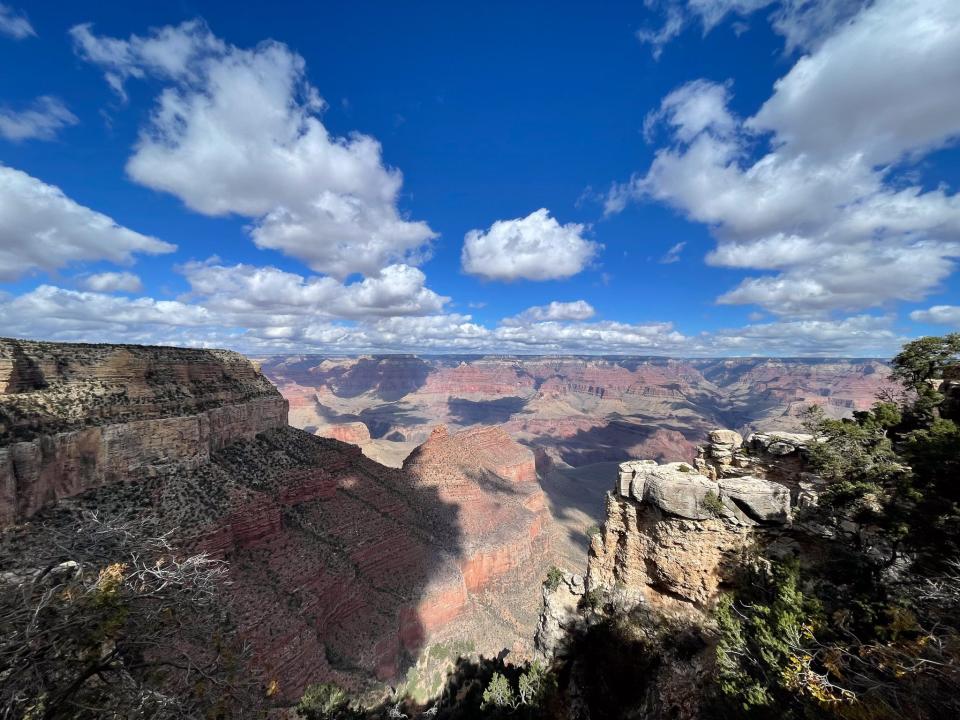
{"points": [[554, 577], [326, 701], [107, 621], [712, 503]]}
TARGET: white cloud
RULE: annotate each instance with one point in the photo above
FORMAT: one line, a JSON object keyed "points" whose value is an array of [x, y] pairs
{"points": [[883, 86], [660, 38], [591, 338], [106, 282], [267, 326], [938, 315], [802, 23], [857, 336], [260, 296], [60, 314], [536, 247], [42, 120], [673, 254], [237, 131], [43, 229], [14, 24], [576, 310], [692, 108], [823, 207]]}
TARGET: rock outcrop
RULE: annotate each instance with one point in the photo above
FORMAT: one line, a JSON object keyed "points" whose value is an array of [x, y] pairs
{"points": [[355, 433], [675, 533], [559, 618]]}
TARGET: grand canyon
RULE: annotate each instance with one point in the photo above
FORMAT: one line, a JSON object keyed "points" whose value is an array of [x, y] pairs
{"points": [[409, 503], [580, 416]]}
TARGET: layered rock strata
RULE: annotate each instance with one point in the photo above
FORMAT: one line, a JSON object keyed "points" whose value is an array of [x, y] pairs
{"points": [[73, 417], [493, 482], [341, 569]]}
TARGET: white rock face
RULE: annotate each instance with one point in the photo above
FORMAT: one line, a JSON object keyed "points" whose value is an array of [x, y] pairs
{"points": [[677, 492], [629, 471], [761, 500], [726, 437]]}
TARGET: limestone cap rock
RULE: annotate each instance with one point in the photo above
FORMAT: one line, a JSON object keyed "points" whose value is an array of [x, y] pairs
{"points": [[678, 492], [726, 437], [630, 470]]}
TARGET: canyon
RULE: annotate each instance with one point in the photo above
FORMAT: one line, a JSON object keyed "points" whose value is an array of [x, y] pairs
{"points": [[340, 569], [573, 411], [382, 515], [580, 415]]}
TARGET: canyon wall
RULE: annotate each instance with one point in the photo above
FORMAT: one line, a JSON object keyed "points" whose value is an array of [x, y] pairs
{"points": [[73, 417], [341, 569]]}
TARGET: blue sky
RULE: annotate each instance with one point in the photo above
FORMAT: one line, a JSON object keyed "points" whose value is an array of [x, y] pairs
{"points": [[718, 177]]}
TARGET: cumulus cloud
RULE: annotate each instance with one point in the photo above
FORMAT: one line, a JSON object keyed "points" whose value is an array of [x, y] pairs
{"points": [[107, 282], [859, 335], [14, 23], [57, 313], [42, 120], [824, 206], [237, 131], [576, 310], [536, 247], [280, 321], [267, 295], [938, 315], [43, 229]]}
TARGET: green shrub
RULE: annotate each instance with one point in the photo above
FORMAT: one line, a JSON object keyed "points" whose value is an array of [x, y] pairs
{"points": [[554, 577], [712, 503], [326, 701]]}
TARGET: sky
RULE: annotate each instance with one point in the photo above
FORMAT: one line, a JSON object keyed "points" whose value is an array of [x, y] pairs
{"points": [[669, 177]]}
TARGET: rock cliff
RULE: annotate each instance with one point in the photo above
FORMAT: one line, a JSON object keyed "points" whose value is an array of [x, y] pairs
{"points": [[73, 417]]}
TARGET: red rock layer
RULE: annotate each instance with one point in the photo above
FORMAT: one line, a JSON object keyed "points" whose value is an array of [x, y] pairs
{"points": [[502, 522]]}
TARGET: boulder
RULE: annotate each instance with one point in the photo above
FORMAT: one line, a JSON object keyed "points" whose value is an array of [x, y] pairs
{"points": [[631, 470], [726, 437], [677, 492], [761, 500]]}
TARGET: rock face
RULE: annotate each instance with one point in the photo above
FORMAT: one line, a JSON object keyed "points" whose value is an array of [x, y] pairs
{"points": [[73, 417], [341, 569], [493, 480], [559, 616], [674, 534]]}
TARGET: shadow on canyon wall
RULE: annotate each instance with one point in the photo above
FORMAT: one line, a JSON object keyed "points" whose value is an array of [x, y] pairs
{"points": [[340, 568], [484, 412]]}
